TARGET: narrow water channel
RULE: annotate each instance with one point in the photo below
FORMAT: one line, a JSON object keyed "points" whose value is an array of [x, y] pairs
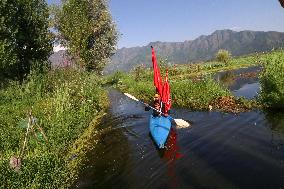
{"points": [[218, 151]]}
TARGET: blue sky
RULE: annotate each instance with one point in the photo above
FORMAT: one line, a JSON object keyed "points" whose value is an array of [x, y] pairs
{"points": [[142, 21]]}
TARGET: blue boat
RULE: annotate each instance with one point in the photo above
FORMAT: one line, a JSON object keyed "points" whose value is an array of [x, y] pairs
{"points": [[160, 127]]}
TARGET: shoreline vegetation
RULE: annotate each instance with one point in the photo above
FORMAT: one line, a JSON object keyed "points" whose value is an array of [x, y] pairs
{"points": [[193, 87], [49, 116], [68, 105]]}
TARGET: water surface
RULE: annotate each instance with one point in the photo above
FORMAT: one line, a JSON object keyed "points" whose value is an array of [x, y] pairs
{"points": [[218, 151], [242, 82]]}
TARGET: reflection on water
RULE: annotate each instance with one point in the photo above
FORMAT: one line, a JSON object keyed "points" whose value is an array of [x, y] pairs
{"points": [[242, 82], [276, 120], [171, 151], [248, 90], [108, 159], [228, 78], [218, 151], [171, 154]]}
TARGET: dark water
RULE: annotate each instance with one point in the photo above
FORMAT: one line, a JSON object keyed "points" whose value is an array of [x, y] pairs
{"points": [[218, 151]]}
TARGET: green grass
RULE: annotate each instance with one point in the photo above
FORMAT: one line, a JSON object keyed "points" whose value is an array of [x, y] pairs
{"points": [[195, 95], [65, 103], [209, 67]]}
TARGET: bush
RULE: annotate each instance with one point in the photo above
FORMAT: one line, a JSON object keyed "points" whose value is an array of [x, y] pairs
{"points": [[223, 56], [272, 81]]}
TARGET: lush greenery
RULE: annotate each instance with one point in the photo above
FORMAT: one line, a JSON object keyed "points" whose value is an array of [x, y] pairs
{"points": [[25, 39], [65, 103], [193, 94], [209, 67], [88, 31], [272, 81]]}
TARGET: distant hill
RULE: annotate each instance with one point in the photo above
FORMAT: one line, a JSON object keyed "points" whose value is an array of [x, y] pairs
{"points": [[202, 48], [57, 58]]}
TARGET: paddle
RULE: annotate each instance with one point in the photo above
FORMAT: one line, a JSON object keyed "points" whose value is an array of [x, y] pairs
{"points": [[179, 122]]}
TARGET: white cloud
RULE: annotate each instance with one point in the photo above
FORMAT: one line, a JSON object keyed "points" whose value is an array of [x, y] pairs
{"points": [[236, 28], [58, 48]]}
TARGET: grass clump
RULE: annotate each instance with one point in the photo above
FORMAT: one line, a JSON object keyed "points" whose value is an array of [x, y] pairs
{"points": [[196, 95]]}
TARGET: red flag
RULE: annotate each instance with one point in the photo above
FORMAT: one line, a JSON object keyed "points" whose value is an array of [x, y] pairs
{"points": [[166, 97], [157, 76]]}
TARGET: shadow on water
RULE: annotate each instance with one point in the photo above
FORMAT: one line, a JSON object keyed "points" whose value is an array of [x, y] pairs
{"points": [[218, 151]]}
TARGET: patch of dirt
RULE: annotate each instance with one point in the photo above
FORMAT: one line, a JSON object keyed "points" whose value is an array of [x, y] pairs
{"points": [[249, 75], [229, 104]]}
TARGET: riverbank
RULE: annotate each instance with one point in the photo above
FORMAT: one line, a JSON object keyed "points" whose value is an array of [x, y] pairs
{"points": [[67, 105]]}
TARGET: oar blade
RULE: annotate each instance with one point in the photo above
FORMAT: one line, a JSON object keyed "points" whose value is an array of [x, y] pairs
{"points": [[130, 96], [181, 123]]}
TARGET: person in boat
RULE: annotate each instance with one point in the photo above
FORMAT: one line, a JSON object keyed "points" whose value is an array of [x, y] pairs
{"points": [[157, 104]]}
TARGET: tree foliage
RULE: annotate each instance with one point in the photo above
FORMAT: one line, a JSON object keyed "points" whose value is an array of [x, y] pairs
{"points": [[24, 35], [88, 31], [223, 56]]}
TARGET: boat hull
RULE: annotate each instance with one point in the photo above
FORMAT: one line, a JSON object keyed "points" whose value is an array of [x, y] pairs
{"points": [[160, 127]]}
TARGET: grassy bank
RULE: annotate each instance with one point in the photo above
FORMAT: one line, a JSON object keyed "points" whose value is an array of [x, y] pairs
{"points": [[192, 94], [65, 103], [209, 67]]}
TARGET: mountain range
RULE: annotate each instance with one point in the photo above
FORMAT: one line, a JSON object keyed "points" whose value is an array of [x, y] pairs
{"points": [[200, 49]]}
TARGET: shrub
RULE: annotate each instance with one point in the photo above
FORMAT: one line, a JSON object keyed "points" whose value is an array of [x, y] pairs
{"points": [[223, 56], [272, 81]]}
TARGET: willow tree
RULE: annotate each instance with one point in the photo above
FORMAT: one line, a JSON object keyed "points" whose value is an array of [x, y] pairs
{"points": [[24, 36], [88, 31]]}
